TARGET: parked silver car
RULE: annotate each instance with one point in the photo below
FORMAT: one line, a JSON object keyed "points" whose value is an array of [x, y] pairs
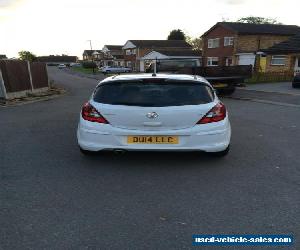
{"points": [[114, 69]]}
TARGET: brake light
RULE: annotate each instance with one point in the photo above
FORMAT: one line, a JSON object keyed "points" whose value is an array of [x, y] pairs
{"points": [[89, 113], [216, 114]]}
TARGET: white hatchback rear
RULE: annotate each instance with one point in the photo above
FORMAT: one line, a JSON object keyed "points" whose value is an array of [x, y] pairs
{"points": [[161, 112]]}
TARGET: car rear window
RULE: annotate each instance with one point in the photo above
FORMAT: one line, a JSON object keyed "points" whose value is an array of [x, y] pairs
{"points": [[158, 93]]}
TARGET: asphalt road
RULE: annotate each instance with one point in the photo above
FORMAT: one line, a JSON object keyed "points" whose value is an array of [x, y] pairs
{"points": [[53, 197]]}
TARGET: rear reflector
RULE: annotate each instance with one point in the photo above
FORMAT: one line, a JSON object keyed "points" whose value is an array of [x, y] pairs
{"points": [[89, 113], [216, 114]]}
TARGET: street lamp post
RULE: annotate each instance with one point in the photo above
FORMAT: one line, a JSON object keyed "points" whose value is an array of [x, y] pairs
{"points": [[92, 53], [90, 44]]}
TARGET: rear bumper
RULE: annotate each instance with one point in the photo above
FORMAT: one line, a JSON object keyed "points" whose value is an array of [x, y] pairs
{"points": [[213, 137]]}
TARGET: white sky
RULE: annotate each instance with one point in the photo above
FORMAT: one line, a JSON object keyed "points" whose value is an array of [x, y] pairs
{"points": [[63, 26]]}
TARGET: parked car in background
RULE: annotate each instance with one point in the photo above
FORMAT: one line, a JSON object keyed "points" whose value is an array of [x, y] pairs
{"points": [[296, 81], [114, 69], [75, 64], [154, 112], [61, 66]]}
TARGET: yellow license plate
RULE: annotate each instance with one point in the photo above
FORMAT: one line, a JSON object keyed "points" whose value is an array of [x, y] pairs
{"points": [[220, 85], [152, 139]]}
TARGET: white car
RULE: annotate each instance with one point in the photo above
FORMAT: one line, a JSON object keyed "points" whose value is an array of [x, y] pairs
{"points": [[61, 66], [154, 112], [111, 69], [75, 64]]}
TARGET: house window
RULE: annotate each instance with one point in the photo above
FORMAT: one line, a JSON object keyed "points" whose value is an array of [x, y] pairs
{"points": [[278, 60], [133, 52], [128, 52], [212, 61], [128, 64], [213, 43], [228, 41]]}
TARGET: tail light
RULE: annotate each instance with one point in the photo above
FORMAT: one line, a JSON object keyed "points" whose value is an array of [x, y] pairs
{"points": [[89, 113], [216, 114]]}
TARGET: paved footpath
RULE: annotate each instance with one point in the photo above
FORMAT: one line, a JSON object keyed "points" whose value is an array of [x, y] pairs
{"points": [[281, 93], [276, 87]]}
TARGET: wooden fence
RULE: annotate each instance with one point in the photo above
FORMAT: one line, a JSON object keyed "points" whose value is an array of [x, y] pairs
{"points": [[271, 77], [39, 75], [18, 78]]}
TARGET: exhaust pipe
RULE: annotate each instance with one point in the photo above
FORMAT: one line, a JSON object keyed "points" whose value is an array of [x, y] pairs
{"points": [[119, 151]]}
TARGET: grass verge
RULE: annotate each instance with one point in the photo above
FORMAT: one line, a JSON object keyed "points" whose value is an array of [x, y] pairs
{"points": [[84, 70]]}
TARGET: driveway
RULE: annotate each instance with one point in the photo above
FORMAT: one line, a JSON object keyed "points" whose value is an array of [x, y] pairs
{"points": [[53, 197]]}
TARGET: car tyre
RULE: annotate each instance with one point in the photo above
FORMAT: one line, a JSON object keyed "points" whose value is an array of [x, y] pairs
{"points": [[220, 153], [226, 91], [86, 152]]}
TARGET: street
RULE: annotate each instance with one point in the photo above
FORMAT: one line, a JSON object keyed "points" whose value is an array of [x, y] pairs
{"points": [[53, 197]]}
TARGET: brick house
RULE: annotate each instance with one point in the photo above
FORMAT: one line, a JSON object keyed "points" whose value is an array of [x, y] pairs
{"points": [[113, 50], [229, 43], [284, 56], [134, 50], [92, 55], [185, 56], [113, 55]]}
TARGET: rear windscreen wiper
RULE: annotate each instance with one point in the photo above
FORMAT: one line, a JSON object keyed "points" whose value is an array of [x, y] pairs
{"points": [[134, 104]]}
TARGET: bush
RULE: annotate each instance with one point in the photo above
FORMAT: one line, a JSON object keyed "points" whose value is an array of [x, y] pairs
{"points": [[89, 65]]}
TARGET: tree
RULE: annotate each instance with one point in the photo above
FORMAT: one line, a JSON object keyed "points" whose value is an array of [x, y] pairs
{"points": [[89, 65], [176, 35], [258, 20], [195, 42], [27, 55]]}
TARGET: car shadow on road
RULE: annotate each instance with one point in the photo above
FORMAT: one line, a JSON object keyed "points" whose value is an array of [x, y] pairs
{"points": [[164, 160]]}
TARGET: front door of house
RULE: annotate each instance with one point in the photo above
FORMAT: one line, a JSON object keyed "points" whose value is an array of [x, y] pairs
{"points": [[297, 65], [228, 61], [262, 63]]}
